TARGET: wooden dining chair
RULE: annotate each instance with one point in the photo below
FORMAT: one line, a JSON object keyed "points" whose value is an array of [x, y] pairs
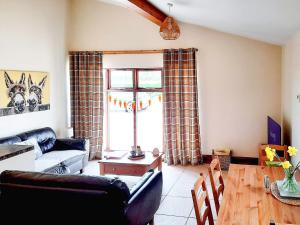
{"points": [[201, 202], [280, 149], [216, 180]]}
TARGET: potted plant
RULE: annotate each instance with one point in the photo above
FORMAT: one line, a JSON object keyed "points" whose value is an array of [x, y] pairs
{"points": [[289, 184]]}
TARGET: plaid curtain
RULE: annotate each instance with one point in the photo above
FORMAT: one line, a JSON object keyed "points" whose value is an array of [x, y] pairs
{"points": [[87, 99], [180, 105]]}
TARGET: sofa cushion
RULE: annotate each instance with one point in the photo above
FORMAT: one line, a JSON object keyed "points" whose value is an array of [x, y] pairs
{"points": [[37, 150], [45, 137], [141, 182], [41, 165], [66, 157]]}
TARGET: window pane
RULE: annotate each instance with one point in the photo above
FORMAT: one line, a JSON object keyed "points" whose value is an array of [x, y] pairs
{"points": [[149, 121], [121, 79], [150, 79], [120, 117]]}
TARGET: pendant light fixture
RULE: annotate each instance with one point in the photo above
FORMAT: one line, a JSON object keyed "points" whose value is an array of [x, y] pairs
{"points": [[169, 30]]}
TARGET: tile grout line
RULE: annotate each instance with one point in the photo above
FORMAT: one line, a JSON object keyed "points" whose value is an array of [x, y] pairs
{"points": [[181, 174], [171, 188], [174, 184], [172, 215]]}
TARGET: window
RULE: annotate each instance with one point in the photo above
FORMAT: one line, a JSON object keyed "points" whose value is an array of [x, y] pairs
{"points": [[133, 109]]}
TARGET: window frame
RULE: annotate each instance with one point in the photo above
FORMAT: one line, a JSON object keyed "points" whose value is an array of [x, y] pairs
{"points": [[134, 90]]}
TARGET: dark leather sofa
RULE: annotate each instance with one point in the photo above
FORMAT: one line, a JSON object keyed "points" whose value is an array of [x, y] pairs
{"points": [[38, 198], [59, 155]]}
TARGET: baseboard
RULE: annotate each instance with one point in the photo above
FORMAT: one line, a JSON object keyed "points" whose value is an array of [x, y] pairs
{"points": [[234, 159]]}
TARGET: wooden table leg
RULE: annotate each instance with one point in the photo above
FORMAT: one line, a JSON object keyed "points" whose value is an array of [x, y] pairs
{"points": [[101, 165]]}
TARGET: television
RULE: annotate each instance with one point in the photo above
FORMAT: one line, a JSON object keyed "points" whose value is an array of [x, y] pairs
{"points": [[274, 132]]}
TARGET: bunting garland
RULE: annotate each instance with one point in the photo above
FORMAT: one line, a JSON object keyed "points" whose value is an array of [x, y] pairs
{"points": [[139, 104], [133, 105]]}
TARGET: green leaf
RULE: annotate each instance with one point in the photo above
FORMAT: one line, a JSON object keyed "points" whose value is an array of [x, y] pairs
{"points": [[273, 163]]}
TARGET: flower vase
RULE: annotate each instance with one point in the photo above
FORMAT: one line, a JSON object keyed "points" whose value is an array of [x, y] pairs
{"points": [[289, 183]]}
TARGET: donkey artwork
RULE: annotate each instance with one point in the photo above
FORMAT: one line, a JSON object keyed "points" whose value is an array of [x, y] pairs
{"points": [[19, 100], [16, 93], [35, 93]]}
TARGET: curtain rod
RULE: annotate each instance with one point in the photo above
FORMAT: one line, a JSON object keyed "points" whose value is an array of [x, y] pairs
{"points": [[119, 52]]}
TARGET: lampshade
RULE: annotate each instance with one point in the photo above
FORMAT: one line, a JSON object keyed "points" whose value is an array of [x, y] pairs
{"points": [[169, 29]]}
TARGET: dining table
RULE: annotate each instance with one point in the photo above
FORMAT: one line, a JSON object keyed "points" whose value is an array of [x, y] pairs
{"points": [[246, 201]]}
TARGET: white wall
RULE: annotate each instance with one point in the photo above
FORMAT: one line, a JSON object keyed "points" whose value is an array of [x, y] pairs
{"points": [[133, 61], [290, 90], [239, 78], [33, 37]]}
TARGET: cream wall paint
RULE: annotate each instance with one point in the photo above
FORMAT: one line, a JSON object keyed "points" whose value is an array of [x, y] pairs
{"points": [[239, 78], [133, 61], [33, 37], [290, 90]]}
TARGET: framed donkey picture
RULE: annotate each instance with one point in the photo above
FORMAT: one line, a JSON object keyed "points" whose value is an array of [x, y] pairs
{"points": [[23, 92]]}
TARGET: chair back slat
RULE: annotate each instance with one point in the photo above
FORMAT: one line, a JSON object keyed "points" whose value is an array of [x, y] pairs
{"points": [[216, 180], [200, 200]]}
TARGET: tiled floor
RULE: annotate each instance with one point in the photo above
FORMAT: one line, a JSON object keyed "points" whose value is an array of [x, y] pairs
{"points": [[176, 205]]}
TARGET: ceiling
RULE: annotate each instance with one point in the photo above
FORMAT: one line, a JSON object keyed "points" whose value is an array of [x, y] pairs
{"points": [[272, 21]]}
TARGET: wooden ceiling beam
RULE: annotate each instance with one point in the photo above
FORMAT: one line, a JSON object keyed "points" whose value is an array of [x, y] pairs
{"points": [[147, 10]]}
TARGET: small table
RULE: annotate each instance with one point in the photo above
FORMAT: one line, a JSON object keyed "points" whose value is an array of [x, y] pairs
{"points": [[125, 166]]}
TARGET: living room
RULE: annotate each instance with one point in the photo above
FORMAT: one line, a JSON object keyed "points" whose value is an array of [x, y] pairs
{"points": [[245, 70]]}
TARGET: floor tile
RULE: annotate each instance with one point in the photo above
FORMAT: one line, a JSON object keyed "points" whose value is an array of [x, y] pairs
{"points": [[213, 208], [203, 168], [170, 176], [184, 184], [169, 220], [176, 206], [182, 188], [168, 182], [191, 221], [162, 198], [92, 168]]}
